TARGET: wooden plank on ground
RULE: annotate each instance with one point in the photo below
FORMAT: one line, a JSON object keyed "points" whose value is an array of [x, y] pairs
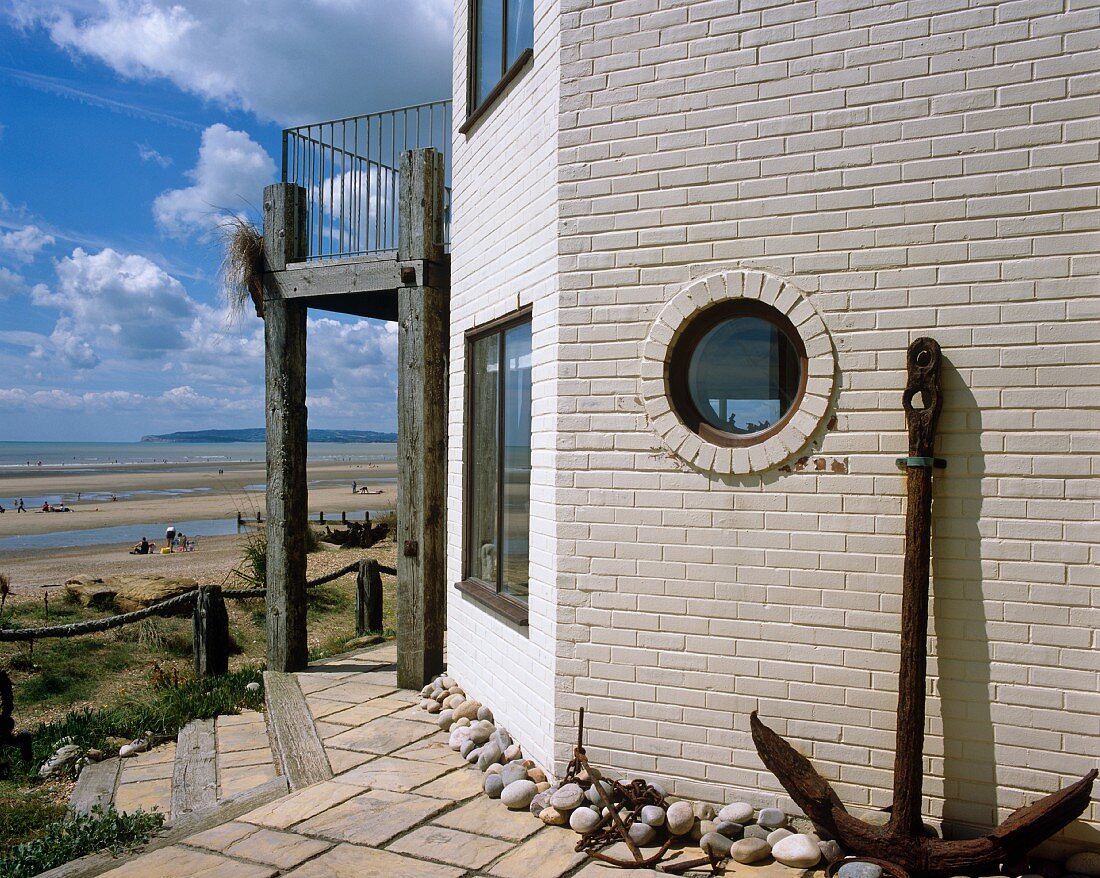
{"points": [[194, 777], [297, 747], [95, 786]]}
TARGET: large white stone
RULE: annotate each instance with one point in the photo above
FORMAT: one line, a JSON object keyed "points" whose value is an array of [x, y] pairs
{"points": [[750, 850], [736, 812], [518, 795], [800, 851]]}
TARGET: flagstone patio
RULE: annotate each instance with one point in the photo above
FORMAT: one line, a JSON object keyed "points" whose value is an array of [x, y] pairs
{"points": [[400, 803]]}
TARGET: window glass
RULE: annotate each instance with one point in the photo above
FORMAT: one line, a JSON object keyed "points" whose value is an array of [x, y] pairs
{"points": [[516, 488], [481, 543], [521, 29], [744, 375], [489, 47]]}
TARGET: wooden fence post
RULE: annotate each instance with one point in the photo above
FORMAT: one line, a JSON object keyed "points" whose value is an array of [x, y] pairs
{"points": [[211, 633], [368, 599]]}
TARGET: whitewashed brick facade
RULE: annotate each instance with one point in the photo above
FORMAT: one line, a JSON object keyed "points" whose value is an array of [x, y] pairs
{"points": [[917, 169]]}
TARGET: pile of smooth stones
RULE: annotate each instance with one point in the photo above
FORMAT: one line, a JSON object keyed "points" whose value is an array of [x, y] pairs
{"points": [[737, 831]]}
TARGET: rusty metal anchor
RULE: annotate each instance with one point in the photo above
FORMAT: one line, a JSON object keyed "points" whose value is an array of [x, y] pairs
{"points": [[903, 840]]}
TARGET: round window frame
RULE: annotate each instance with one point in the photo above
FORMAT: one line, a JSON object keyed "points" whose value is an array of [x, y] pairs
{"points": [[793, 438], [678, 367]]}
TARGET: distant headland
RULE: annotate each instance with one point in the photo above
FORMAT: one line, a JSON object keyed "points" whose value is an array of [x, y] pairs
{"points": [[259, 434]]}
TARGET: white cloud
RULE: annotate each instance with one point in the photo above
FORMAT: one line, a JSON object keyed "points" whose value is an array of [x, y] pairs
{"points": [[11, 283], [23, 244], [232, 170], [287, 60], [147, 154], [121, 302]]}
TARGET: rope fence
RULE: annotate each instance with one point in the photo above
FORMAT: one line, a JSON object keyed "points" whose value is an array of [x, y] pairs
{"points": [[94, 626]]}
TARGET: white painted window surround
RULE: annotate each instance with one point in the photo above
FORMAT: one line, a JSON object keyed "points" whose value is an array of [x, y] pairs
{"points": [[783, 295]]}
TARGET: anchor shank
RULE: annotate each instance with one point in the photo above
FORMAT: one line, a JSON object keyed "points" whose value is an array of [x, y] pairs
{"points": [[922, 401]]}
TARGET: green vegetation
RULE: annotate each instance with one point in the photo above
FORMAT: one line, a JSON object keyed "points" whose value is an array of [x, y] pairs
{"points": [[75, 836]]}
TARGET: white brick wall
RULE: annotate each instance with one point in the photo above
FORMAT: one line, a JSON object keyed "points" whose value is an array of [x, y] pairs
{"points": [[503, 256], [924, 168]]}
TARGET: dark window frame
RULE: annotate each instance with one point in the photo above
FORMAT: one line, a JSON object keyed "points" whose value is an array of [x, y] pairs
{"points": [[488, 593], [474, 109], [683, 348]]}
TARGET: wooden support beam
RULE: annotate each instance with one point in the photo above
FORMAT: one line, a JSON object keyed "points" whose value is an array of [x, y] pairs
{"points": [[368, 598], [423, 341], [285, 369]]}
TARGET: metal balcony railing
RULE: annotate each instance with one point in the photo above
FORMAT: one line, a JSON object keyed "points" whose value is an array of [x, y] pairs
{"points": [[349, 169]]}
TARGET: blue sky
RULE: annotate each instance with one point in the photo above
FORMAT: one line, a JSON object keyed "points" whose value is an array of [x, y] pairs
{"points": [[128, 131]]}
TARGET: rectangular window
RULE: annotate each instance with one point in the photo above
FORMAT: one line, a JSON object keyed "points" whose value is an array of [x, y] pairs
{"points": [[502, 37], [498, 466]]}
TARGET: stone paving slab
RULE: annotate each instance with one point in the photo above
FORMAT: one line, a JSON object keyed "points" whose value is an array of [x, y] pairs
{"points": [[296, 807], [358, 714], [382, 736], [549, 854], [350, 861], [450, 846], [177, 861], [356, 692], [434, 749], [239, 758], [487, 816], [246, 777], [144, 794], [372, 818], [322, 707], [283, 850], [396, 775], [465, 783], [343, 760]]}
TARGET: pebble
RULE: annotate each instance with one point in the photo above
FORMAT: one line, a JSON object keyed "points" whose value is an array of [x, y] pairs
{"points": [[641, 833], [1084, 863], [252, 687], [737, 812], [831, 851], [427, 690], [473, 754], [468, 709], [777, 835], [653, 815], [680, 818], [458, 737], [479, 734], [553, 817], [702, 827], [583, 820], [772, 818], [536, 774], [540, 803], [703, 811], [593, 795], [490, 753], [757, 831], [714, 844], [502, 737], [427, 702], [858, 869], [658, 789], [445, 718], [493, 786], [463, 722], [513, 752], [568, 797], [513, 771], [542, 787], [590, 773], [446, 682], [466, 747], [483, 712], [750, 850], [730, 829], [798, 851], [495, 768], [518, 795], [434, 707], [452, 701]]}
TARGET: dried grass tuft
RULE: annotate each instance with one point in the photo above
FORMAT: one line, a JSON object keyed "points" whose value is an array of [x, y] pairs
{"points": [[242, 268]]}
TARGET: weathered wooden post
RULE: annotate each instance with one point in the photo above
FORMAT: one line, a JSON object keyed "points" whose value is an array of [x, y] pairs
{"points": [[210, 625], [368, 598], [285, 233], [423, 321]]}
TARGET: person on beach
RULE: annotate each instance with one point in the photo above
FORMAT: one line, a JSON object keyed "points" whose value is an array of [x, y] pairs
{"points": [[20, 507], [141, 548], [170, 535], [354, 487]]}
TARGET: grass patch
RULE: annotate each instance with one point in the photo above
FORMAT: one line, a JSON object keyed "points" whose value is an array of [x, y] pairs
{"points": [[78, 835], [25, 814]]}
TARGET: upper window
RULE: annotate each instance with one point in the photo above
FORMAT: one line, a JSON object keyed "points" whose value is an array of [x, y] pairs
{"points": [[737, 372], [502, 36], [498, 469]]}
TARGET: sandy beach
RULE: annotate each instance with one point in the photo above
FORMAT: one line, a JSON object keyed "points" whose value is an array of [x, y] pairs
{"points": [[211, 491]]}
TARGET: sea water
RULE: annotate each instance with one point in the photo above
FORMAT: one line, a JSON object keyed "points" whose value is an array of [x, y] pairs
{"points": [[95, 455]]}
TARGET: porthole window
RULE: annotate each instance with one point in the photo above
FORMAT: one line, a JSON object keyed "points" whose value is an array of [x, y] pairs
{"points": [[737, 372]]}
